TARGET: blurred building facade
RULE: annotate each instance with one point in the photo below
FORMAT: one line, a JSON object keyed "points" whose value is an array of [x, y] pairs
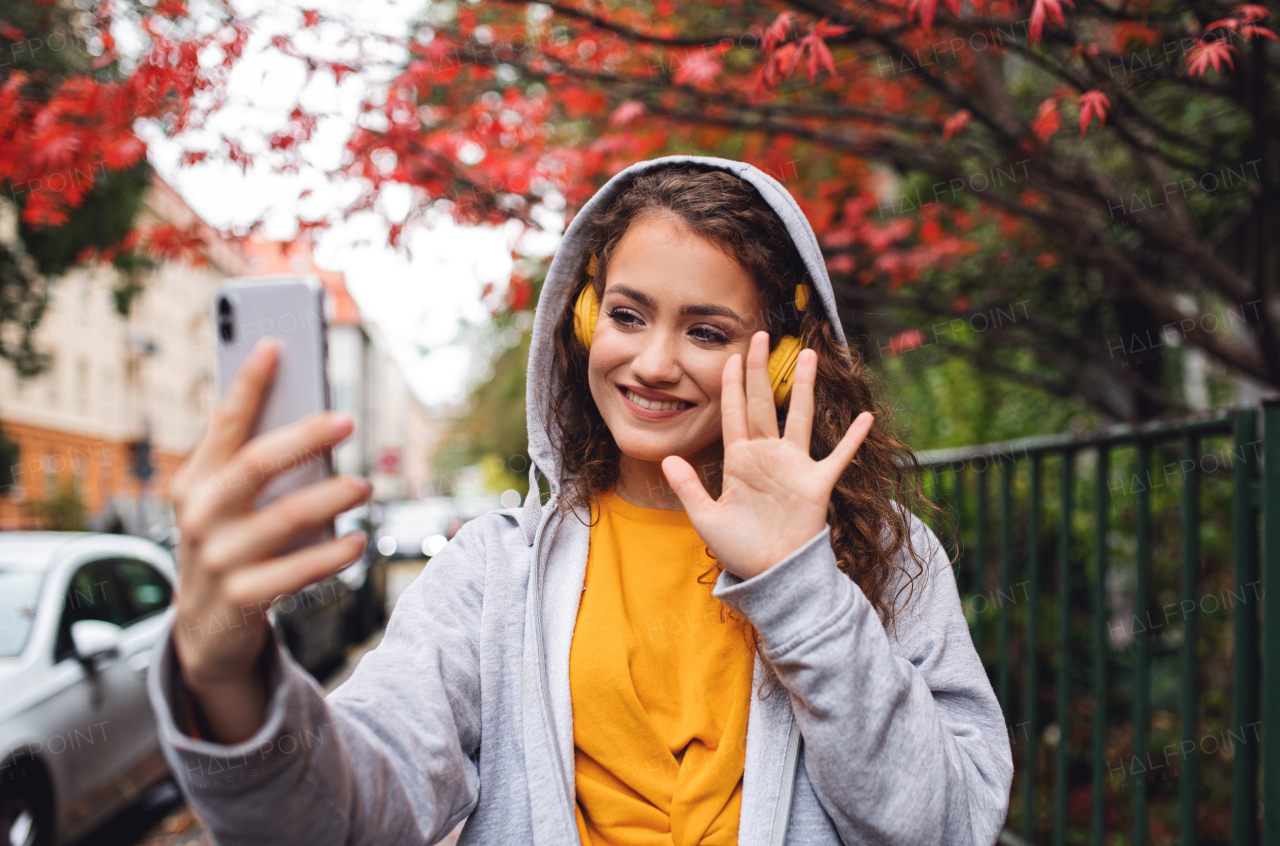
{"points": [[126, 396]]}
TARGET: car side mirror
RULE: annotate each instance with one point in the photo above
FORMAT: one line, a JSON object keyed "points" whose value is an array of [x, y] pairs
{"points": [[95, 640]]}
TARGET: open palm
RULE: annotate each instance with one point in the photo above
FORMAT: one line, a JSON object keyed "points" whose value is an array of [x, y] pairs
{"points": [[774, 497]]}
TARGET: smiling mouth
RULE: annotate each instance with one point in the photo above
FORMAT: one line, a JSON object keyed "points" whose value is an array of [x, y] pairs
{"points": [[654, 405]]}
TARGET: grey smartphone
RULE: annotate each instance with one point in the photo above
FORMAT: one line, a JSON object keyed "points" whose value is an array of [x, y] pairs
{"points": [[290, 309]]}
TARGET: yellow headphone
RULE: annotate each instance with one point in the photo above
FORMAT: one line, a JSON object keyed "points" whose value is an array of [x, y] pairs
{"points": [[782, 361]]}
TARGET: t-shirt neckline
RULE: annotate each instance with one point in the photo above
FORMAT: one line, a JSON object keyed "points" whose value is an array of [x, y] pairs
{"points": [[639, 513]]}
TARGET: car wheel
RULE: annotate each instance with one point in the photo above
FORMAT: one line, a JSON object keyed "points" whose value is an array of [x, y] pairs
{"points": [[24, 820]]}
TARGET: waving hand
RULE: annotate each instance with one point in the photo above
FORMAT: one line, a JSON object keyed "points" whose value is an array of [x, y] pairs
{"points": [[774, 497]]}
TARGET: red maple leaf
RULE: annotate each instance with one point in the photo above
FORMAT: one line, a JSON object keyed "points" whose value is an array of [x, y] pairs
{"points": [[56, 151], [340, 71], [1248, 31], [1046, 121], [1242, 26], [1092, 103], [310, 17], [1252, 12], [1041, 9], [926, 9], [124, 151], [955, 123], [929, 8], [626, 112], [776, 32], [699, 67], [1206, 53], [171, 8], [905, 342], [818, 51]]}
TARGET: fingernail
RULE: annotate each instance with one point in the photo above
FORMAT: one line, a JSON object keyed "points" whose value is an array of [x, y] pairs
{"points": [[341, 421]]}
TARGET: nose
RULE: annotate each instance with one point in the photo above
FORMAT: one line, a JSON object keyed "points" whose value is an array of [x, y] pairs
{"points": [[656, 362]]}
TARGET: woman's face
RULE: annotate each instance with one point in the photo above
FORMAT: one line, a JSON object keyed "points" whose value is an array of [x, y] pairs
{"points": [[675, 307]]}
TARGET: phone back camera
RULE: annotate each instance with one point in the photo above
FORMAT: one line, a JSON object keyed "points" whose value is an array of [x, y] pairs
{"points": [[226, 321]]}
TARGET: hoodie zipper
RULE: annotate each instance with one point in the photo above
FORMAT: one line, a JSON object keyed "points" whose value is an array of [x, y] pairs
{"points": [[789, 765], [543, 675]]}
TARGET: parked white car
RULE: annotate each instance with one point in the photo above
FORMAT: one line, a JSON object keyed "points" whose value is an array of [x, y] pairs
{"points": [[79, 616], [415, 528]]}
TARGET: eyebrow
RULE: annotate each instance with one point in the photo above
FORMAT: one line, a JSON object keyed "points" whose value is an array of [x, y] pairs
{"points": [[703, 310]]}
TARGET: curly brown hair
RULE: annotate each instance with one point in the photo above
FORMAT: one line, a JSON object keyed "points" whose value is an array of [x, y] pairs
{"points": [[868, 512]]}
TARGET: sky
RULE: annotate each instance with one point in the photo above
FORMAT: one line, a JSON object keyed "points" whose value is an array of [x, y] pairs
{"points": [[419, 298]]}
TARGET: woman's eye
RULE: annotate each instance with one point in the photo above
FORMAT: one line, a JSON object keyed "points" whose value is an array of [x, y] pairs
{"points": [[623, 317], [706, 333]]}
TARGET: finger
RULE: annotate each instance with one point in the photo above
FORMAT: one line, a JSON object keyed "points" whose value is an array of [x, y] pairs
{"points": [[292, 572], [238, 482], [258, 535], [232, 417], [762, 414], [839, 459], [688, 487], [733, 404], [800, 409]]}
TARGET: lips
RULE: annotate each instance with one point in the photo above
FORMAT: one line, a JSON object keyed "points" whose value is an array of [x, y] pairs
{"points": [[649, 409]]}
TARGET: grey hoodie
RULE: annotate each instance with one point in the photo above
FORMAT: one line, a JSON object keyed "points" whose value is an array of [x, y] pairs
{"points": [[463, 711]]}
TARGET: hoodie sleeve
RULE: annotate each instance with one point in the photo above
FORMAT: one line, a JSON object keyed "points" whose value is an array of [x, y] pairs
{"points": [[391, 755], [904, 741]]}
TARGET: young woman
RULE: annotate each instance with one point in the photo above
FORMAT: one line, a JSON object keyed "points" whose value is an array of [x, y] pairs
{"points": [[723, 626]]}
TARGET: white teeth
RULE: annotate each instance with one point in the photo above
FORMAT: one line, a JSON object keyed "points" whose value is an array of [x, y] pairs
{"points": [[653, 405]]}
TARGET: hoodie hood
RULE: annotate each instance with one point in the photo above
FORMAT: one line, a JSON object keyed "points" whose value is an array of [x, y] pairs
{"points": [[543, 382]]}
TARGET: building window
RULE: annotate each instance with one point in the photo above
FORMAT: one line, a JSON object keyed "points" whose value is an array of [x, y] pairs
{"points": [[51, 384], [105, 481], [109, 398], [82, 386], [83, 306], [52, 463]]}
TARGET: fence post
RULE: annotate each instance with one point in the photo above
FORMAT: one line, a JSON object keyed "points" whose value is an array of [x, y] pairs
{"points": [[1066, 493], [1244, 632], [1271, 628], [1032, 659], [1002, 617], [980, 556], [1190, 588], [1101, 523], [1141, 644]]}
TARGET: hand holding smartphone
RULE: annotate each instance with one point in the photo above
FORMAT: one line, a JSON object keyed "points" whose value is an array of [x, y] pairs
{"points": [[255, 498]]}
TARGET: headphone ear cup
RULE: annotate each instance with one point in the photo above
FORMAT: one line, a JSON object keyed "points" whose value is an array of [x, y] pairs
{"points": [[586, 311], [782, 367]]}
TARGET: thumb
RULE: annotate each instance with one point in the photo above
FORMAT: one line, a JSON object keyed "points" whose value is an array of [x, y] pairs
{"points": [[685, 482]]}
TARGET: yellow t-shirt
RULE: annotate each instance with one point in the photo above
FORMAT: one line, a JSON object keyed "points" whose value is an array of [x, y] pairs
{"points": [[660, 687]]}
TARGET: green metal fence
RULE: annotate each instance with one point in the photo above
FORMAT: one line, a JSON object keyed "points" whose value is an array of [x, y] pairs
{"points": [[1093, 617]]}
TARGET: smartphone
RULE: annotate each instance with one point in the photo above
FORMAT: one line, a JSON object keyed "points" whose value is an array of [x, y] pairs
{"points": [[290, 309]]}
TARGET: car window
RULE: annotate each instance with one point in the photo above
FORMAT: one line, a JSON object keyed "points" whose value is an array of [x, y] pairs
{"points": [[91, 595], [21, 592], [145, 592]]}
